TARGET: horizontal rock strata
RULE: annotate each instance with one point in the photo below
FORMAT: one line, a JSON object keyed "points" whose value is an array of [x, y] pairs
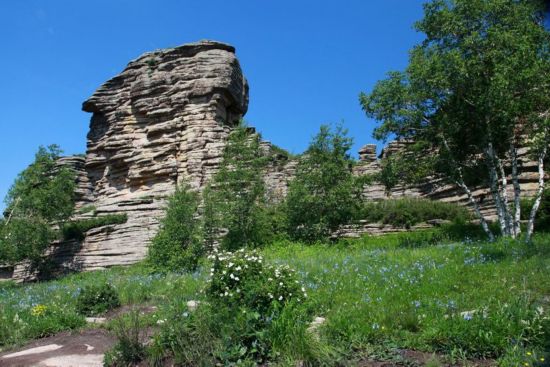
{"points": [[164, 120]]}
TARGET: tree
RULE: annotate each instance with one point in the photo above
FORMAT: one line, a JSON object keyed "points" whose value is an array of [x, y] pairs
{"points": [[324, 193], [178, 244], [235, 198], [41, 198], [475, 91]]}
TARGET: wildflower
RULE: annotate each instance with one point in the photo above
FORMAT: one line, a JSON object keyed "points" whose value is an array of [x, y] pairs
{"points": [[529, 353], [541, 359], [280, 298], [38, 310]]}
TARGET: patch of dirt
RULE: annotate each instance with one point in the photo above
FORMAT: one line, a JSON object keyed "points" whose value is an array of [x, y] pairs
{"points": [[83, 348]]}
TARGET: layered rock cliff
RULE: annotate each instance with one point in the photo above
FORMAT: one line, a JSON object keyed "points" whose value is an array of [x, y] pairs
{"points": [[164, 120]]}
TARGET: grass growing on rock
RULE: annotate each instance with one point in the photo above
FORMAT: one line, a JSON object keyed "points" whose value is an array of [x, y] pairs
{"points": [[462, 300]]}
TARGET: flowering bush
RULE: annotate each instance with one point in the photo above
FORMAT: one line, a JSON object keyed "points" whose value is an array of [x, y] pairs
{"points": [[244, 279]]}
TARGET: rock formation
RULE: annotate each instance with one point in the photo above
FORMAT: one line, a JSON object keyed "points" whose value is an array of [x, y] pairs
{"points": [[164, 120]]}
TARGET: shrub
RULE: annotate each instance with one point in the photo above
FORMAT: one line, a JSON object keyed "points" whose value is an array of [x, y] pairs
{"points": [[324, 193], [129, 349], [25, 238], [408, 211], [241, 278], [178, 245], [77, 229], [235, 199], [95, 300], [42, 195]]}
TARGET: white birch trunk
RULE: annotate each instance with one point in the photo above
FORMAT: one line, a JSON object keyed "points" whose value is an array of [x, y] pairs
{"points": [[538, 196], [493, 183], [474, 203], [460, 182], [517, 191], [504, 197]]}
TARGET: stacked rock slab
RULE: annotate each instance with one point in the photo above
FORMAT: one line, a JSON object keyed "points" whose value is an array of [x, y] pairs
{"points": [[162, 121]]}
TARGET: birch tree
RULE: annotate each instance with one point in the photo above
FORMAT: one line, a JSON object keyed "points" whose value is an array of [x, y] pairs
{"points": [[475, 91]]}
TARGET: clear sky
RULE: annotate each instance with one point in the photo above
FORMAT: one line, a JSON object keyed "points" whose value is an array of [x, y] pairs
{"points": [[306, 61]]}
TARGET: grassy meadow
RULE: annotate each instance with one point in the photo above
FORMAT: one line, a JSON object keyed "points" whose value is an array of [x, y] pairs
{"points": [[461, 300]]}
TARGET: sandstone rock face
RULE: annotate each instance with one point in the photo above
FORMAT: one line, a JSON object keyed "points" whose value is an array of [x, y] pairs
{"points": [[164, 120], [436, 189]]}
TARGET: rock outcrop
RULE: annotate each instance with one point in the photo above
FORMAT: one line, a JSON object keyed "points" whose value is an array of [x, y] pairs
{"points": [[164, 120]]}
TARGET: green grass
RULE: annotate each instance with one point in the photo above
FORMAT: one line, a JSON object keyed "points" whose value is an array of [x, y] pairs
{"points": [[466, 299]]}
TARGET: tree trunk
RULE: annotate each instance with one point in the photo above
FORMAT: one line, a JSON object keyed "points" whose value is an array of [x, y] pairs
{"points": [[538, 196], [493, 183], [472, 201], [504, 197], [12, 210], [517, 191], [460, 182]]}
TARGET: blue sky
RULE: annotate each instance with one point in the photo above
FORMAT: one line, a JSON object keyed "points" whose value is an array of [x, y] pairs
{"points": [[306, 61]]}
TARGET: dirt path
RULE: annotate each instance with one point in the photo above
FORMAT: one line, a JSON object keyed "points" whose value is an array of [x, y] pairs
{"points": [[78, 349]]}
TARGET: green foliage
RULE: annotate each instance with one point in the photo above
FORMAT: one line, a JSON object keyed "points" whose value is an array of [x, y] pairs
{"points": [[43, 189], [42, 195], [129, 349], [478, 85], [87, 209], [77, 229], [235, 199], [324, 194], [407, 212], [25, 238], [243, 279], [97, 299], [178, 244]]}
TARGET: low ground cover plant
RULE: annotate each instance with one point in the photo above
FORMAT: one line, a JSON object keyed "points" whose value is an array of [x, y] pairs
{"points": [[407, 212]]}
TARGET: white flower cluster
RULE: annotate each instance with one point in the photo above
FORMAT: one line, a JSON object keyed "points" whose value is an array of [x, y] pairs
{"points": [[235, 273]]}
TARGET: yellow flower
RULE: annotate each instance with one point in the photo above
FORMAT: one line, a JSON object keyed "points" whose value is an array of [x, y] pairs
{"points": [[542, 359], [529, 353], [39, 310], [526, 364]]}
